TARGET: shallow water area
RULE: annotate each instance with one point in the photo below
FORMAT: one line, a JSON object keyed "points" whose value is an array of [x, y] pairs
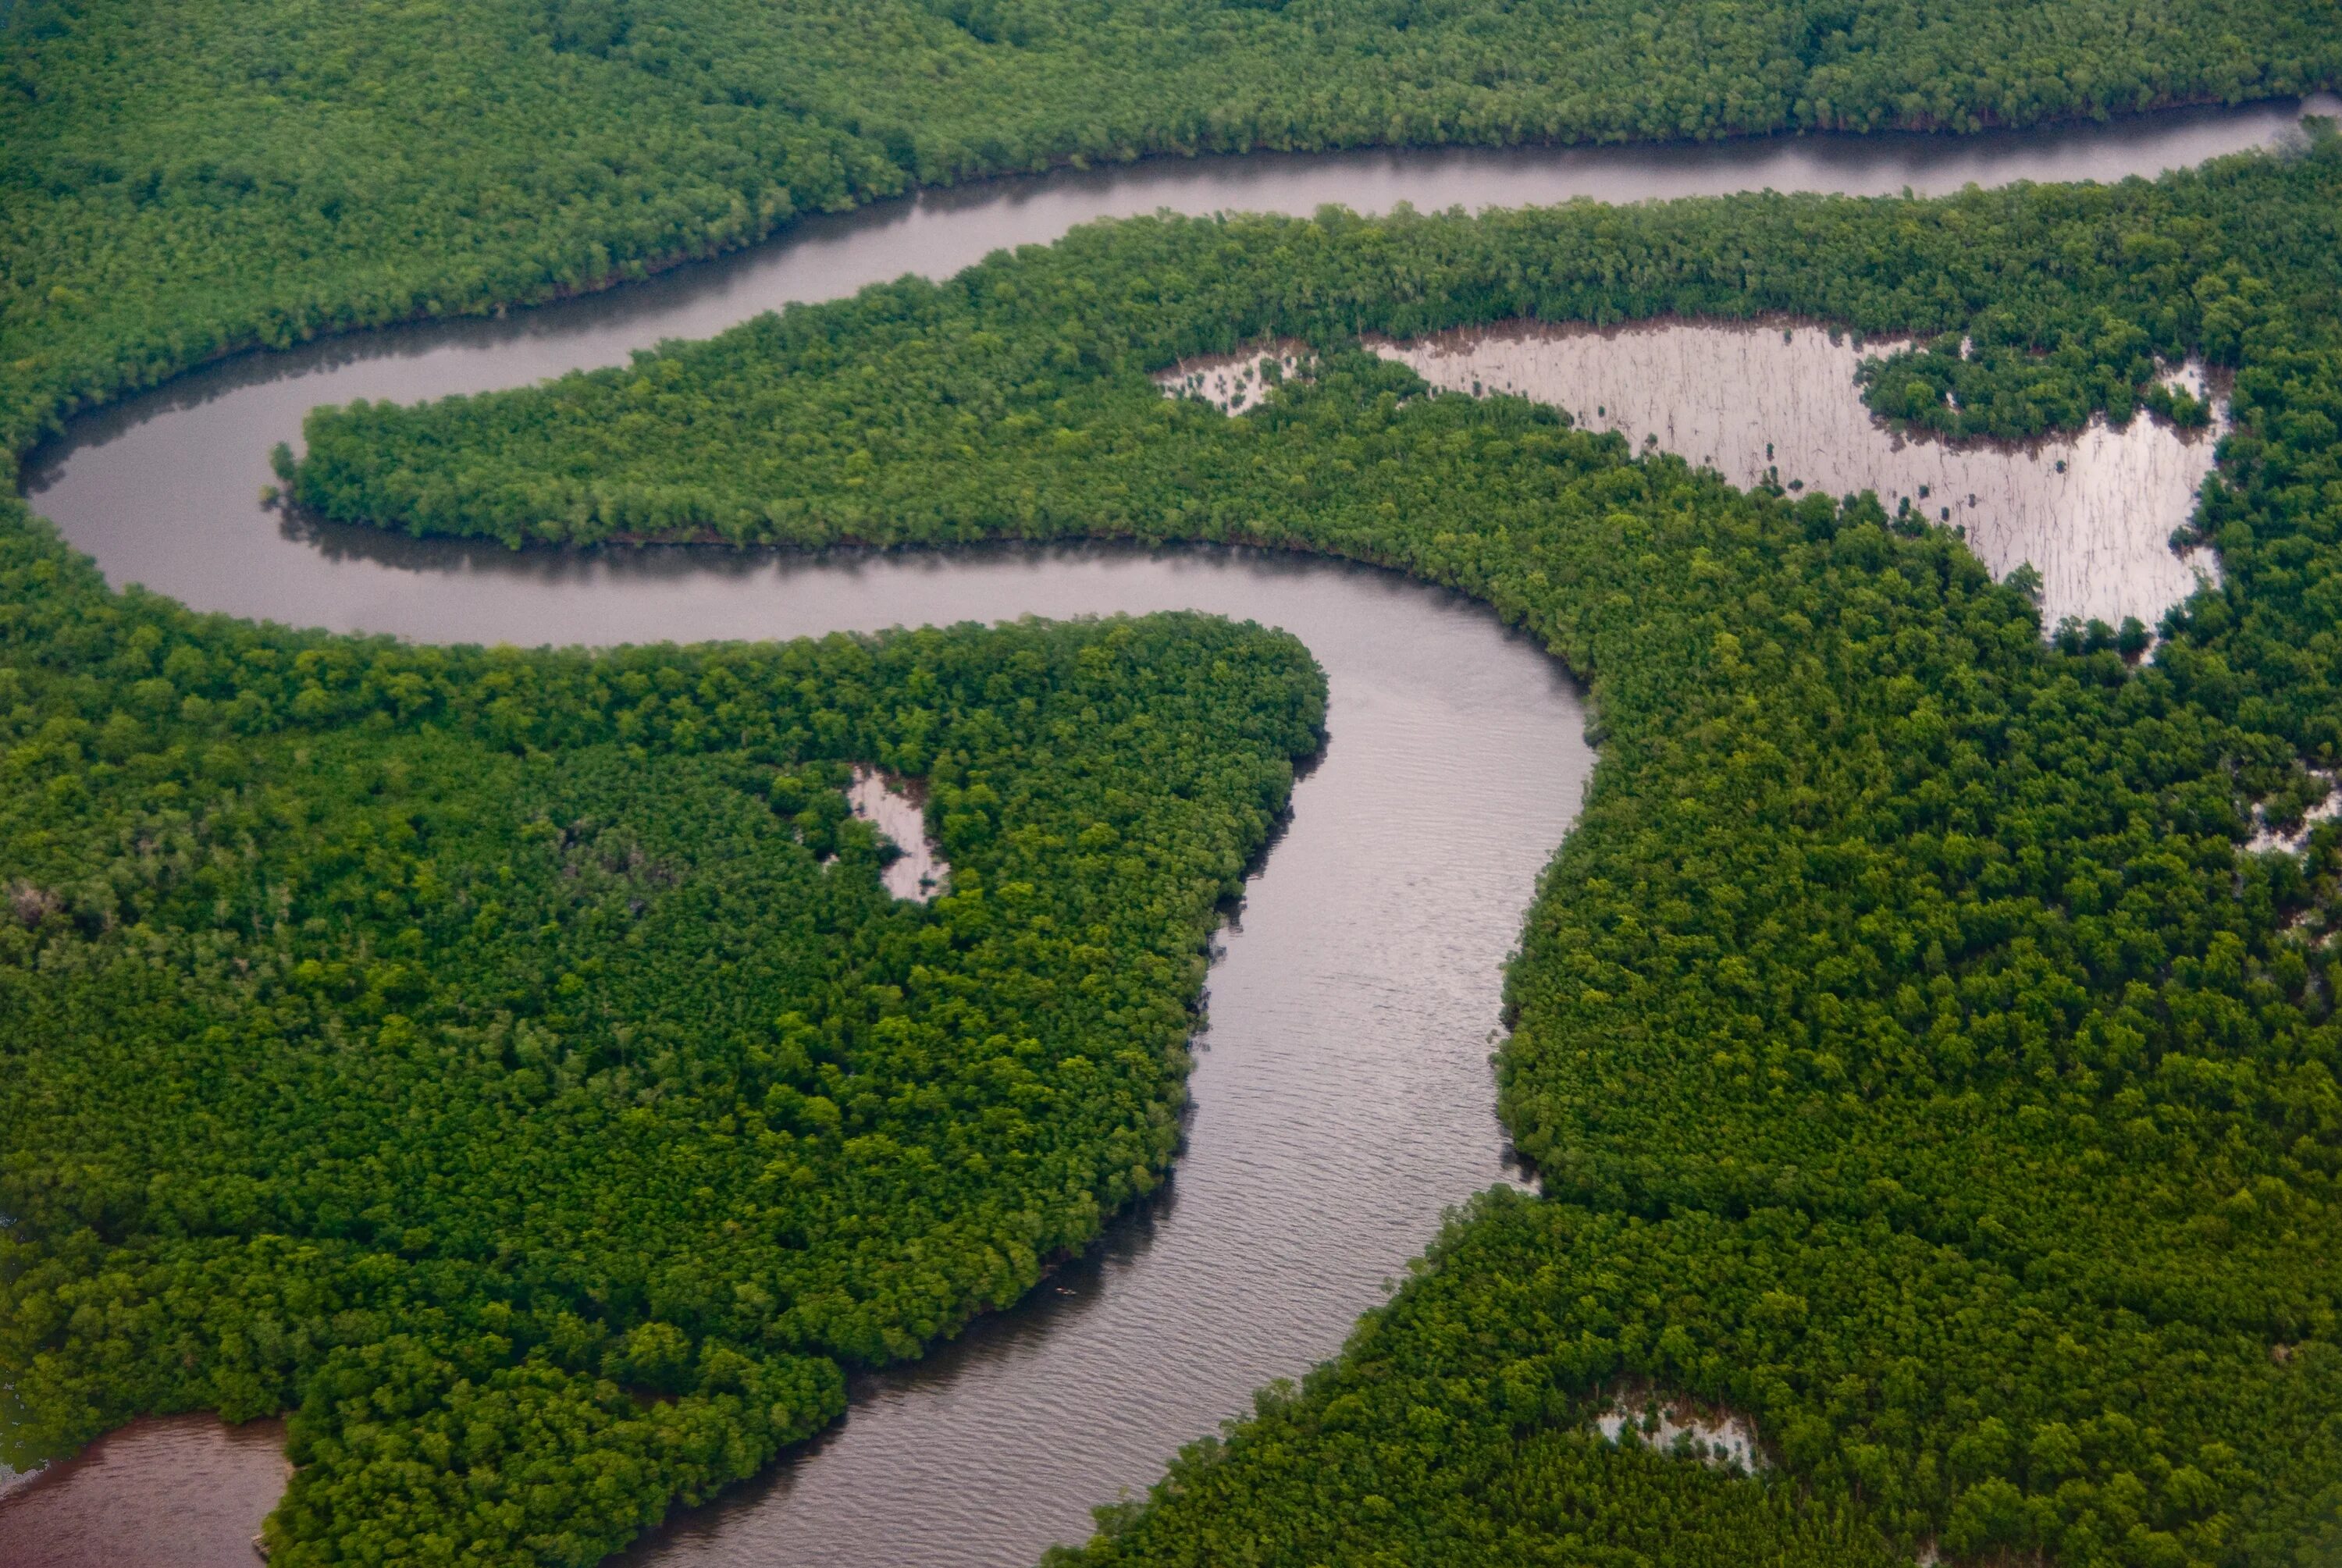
{"points": [[1721, 1438], [899, 814], [1235, 383], [181, 1490], [2092, 512], [2268, 837]]}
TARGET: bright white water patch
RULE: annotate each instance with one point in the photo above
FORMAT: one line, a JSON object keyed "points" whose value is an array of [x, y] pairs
{"points": [[2092, 512], [1233, 382], [2267, 838], [883, 803], [1718, 1438]]}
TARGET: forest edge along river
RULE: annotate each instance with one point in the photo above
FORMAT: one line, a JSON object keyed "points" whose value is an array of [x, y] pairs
{"points": [[1342, 1094], [1344, 1097]]}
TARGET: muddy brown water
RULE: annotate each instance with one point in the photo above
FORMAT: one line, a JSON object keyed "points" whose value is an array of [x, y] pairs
{"points": [[182, 1490], [1342, 1095]]}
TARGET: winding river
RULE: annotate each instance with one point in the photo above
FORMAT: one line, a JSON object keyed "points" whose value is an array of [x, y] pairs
{"points": [[1342, 1097]]}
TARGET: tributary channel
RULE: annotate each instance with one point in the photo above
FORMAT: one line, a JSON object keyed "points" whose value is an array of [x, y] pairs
{"points": [[1343, 1097]]}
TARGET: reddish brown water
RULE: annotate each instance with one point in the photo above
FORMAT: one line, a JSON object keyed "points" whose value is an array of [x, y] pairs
{"points": [[170, 1491]]}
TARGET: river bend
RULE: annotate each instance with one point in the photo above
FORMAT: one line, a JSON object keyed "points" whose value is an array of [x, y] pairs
{"points": [[1343, 1097]]}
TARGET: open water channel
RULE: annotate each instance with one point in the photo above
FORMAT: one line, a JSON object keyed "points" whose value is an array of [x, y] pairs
{"points": [[1343, 1097]]}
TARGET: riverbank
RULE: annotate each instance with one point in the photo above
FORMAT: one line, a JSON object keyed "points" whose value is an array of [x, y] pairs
{"points": [[1509, 588]]}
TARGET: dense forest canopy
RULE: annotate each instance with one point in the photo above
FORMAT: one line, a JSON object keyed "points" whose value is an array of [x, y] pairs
{"points": [[179, 178], [463, 1046], [1916, 1058], [511, 1061]]}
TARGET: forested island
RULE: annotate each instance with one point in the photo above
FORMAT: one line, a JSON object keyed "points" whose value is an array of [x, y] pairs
{"points": [[511, 1064]]}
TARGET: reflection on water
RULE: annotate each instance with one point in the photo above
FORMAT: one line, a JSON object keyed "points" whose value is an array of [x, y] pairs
{"points": [[2092, 512], [182, 1490]]}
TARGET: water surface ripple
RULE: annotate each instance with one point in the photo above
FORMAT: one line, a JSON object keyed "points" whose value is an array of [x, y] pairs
{"points": [[1343, 1097]]}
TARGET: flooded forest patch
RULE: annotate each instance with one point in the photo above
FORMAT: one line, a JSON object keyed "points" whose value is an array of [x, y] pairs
{"points": [[896, 808], [2092, 512], [1235, 383]]}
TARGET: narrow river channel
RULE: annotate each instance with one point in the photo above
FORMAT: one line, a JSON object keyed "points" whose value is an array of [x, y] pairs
{"points": [[1343, 1097]]}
